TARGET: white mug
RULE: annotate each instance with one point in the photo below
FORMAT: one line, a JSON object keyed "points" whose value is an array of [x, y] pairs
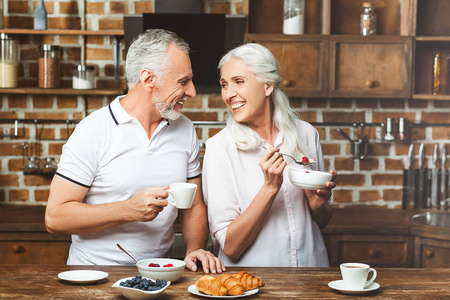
{"points": [[355, 275], [183, 194]]}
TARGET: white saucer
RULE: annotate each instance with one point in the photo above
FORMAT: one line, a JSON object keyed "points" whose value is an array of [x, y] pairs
{"points": [[82, 276], [339, 285]]}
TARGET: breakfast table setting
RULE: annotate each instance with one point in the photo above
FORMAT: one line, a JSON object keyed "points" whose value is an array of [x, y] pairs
{"points": [[96, 282]]}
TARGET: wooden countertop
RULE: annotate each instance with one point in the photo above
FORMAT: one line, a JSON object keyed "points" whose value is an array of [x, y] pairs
{"points": [[41, 282]]}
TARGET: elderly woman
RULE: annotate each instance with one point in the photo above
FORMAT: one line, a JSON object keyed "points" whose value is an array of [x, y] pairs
{"points": [[256, 215]]}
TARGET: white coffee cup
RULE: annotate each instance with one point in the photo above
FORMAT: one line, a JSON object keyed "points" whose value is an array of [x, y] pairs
{"points": [[355, 275], [183, 194]]}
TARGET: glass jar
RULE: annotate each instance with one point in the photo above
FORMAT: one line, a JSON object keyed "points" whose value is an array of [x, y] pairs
{"points": [[83, 77], [48, 66], [436, 79], [368, 20], [294, 17], [32, 165], [9, 64], [49, 165]]}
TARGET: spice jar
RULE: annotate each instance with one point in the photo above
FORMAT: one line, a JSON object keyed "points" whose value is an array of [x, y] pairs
{"points": [[32, 165], [368, 20], [48, 66], [9, 63], [83, 77], [49, 165]]}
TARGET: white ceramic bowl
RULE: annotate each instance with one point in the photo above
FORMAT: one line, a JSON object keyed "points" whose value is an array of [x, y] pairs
{"points": [[167, 273], [136, 294], [308, 179]]}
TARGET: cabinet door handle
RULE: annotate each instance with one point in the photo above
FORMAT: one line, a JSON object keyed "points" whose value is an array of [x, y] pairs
{"points": [[370, 83], [18, 249], [372, 253], [286, 83], [429, 253]]}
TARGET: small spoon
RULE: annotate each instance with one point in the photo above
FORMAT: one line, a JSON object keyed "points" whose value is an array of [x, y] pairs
{"points": [[295, 160], [120, 247]]}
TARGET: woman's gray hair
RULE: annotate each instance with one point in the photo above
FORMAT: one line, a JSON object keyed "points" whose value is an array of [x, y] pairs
{"points": [[149, 51], [261, 62]]}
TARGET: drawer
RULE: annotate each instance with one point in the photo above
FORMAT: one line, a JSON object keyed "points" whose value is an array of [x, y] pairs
{"points": [[432, 253], [34, 252], [377, 251]]}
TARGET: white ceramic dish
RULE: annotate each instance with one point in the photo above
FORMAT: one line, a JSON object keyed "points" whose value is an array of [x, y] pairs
{"points": [[308, 179], [339, 285], [82, 276], [167, 273], [193, 290], [136, 294]]}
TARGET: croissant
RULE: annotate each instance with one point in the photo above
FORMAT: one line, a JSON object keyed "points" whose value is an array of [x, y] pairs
{"points": [[210, 286], [249, 282], [234, 286]]}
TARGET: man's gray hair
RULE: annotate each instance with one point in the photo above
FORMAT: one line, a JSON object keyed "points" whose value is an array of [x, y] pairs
{"points": [[149, 51]]}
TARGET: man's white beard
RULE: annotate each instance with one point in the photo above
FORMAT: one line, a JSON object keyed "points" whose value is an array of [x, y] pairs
{"points": [[167, 111]]}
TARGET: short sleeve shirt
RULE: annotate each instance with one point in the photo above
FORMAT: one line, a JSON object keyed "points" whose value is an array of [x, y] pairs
{"points": [[110, 153]]}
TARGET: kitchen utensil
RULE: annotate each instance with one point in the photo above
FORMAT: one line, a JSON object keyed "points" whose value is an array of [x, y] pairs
{"points": [[121, 248], [420, 178], [408, 179], [444, 179], [345, 135], [434, 179], [295, 160]]}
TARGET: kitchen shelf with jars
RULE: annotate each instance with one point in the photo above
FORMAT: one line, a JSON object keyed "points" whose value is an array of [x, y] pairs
{"points": [[373, 48], [83, 79]]}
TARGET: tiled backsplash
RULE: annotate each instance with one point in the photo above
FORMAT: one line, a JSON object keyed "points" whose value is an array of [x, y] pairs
{"points": [[377, 180]]}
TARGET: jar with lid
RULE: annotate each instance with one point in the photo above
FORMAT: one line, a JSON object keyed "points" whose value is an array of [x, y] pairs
{"points": [[32, 165], [294, 17], [83, 77], [9, 64], [49, 165], [368, 20], [48, 66]]}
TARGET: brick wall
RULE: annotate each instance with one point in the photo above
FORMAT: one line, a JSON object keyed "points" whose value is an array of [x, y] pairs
{"points": [[376, 180]]}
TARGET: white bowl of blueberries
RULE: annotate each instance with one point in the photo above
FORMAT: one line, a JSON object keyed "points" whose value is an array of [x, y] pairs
{"points": [[141, 288]]}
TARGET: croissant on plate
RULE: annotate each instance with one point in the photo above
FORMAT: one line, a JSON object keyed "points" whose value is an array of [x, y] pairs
{"points": [[210, 286], [233, 285], [249, 281]]}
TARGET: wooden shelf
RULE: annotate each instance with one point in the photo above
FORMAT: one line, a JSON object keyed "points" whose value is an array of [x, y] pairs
{"points": [[431, 97], [62, 32], [60, 91], [433, 39]]}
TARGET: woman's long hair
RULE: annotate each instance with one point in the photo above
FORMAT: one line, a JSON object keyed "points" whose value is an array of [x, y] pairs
{"points": [[263, 64]]}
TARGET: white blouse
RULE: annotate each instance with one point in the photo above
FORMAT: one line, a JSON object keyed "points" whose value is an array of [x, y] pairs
{"points": [[232, 178]]}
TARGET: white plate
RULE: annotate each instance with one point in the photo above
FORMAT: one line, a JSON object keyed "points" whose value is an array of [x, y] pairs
{"points": [[339, 285], [193, 290], [82, 276]]}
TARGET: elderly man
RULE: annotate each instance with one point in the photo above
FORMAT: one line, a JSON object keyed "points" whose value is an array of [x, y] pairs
{"points": [[112, 179]]}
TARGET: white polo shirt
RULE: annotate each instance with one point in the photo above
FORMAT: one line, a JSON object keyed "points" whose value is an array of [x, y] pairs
{"points": [[110, 153]]}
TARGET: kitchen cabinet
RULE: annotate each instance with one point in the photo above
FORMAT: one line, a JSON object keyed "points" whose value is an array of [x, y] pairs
{"points": [[299, 75], [432, 35], [34, 248], [375, 250], [395, 63], [25, 240], [431, 253], [372, 66]]}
